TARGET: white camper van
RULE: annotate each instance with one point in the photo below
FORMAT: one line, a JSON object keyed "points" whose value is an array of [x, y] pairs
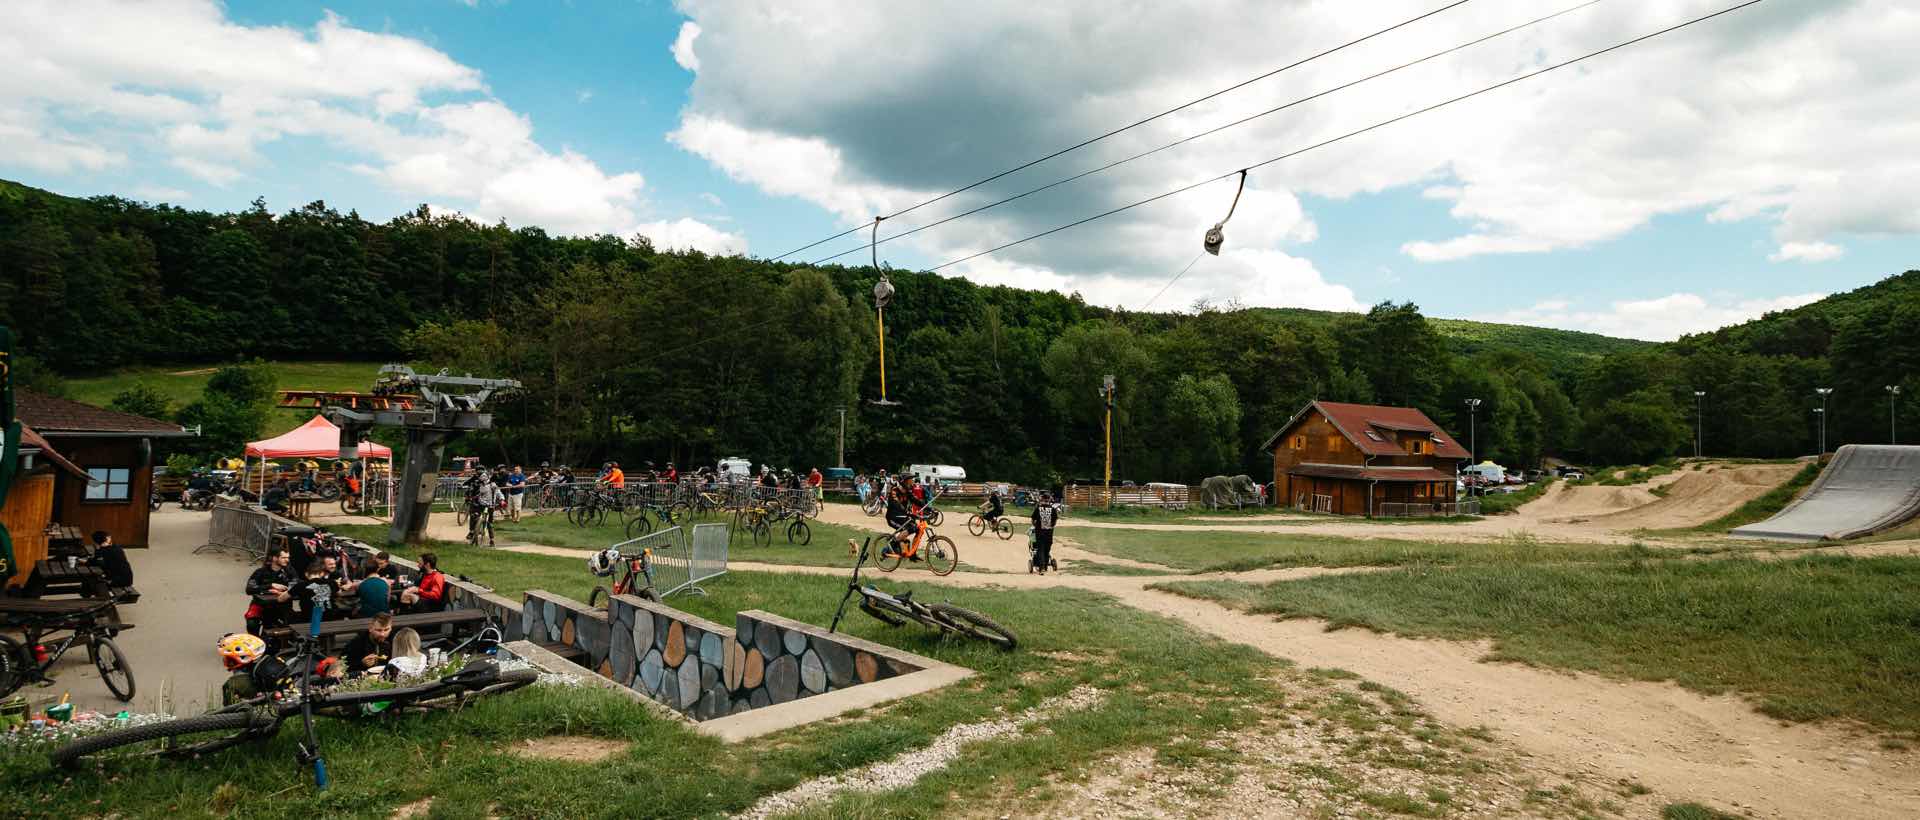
{"points": [[937, 474], [734, 469]]}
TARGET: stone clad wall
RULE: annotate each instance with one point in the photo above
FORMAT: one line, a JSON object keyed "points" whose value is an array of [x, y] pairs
{"points": [[775, 660], [668, 655], [546, 618]]}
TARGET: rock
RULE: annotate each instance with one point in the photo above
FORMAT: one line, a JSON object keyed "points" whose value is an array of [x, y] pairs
{"points": [[620, 659], [567, 633], [755, 670], [642, 631], [652, 668], [606, 669], [709, 677], [743, 631], [837, 658], [813, 673], [689, 685], [766, 638], [739, 706], [795, 640], [865, 668], [675, 647], [526, 619], [759, 699], [783, 679], [710, 652], [736, 664], [670, 689], [714, 704], [660, 624]]}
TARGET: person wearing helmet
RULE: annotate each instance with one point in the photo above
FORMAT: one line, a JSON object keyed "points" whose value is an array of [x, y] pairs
{"points": [[671, 476], [616, 478]]}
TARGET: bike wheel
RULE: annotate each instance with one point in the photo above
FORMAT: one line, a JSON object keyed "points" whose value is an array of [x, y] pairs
{"points": [[975, 625], [185, 737], [638, 525], [799, 533], [762, 534], [941, 554], [873, 510], [460, 515], [329, 492], [1004, 528], [976, 525], [113, 666], [936, 517], [599, 592], [889, 559], [13, 666]]}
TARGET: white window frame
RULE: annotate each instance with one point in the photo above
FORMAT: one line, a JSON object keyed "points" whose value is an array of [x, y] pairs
{"points": [[104, 481]]}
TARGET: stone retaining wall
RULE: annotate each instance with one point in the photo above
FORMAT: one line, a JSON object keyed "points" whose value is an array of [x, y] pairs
{"points": [[460, 594], [546, 618], [668, 655], [775, 660]]}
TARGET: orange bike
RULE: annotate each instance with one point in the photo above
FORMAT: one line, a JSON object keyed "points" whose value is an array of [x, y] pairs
{"points": [[938, 551]]}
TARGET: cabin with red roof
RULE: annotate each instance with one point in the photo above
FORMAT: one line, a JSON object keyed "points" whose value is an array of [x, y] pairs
{"points": [[105, 461], [1365, 459]]}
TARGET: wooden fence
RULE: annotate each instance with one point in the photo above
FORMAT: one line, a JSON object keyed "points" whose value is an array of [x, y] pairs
{"points": [[1095, 497]]}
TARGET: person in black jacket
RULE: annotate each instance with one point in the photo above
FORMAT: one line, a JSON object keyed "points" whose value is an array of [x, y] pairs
{"points": [[1045, 516], [111, 558], [270, 589]]}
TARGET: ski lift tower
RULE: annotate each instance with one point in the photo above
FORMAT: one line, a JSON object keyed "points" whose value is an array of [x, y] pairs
{"points": [[447, 406]]}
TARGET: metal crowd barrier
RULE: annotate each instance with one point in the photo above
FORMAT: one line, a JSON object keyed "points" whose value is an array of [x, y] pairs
{"points": [[242, 528], [680, 565]]}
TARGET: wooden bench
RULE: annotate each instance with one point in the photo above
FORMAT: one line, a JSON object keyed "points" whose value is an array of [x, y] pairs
{"points": [[572, 654], [429, 624], [42, 613]]}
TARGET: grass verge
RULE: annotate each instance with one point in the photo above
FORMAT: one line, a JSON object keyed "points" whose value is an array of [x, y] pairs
{"points": [[827, 547], [1231, 551], [181, 384], [1810, 638], [1502, 503]]}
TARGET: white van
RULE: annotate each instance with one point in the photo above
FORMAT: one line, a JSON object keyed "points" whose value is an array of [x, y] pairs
{"points": [[936, 473], [734, 468]]}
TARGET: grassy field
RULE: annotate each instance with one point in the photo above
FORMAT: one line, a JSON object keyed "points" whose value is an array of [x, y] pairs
{"points": [[1809, 638], [1500, 503], [182, 384], [464, 763], [827, 547], [1228, 551]]}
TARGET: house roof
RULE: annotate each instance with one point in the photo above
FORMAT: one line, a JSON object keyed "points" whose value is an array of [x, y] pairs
{"points": [[1353, 421], [1371, 473], [32, 440], [54, 416]]}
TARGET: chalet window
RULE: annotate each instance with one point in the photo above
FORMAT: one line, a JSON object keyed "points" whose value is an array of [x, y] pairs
{"points": [[1418, 447], [1299, 442], [1420, 490], [1375, 436], [1335, 444], [108, 484]]}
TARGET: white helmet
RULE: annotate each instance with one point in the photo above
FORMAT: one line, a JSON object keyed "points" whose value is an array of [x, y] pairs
{"points": [[602, 563]]}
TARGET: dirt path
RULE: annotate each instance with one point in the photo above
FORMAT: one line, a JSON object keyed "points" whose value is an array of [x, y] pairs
{"points": [[985, 551], [1678, 742]]}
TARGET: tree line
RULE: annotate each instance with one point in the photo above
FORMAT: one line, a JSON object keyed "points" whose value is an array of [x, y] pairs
{"points": [[633, 353]]}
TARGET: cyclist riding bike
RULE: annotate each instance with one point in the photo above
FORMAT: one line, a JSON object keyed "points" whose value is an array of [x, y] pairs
{"points": [[992, 509], [900, 515]]}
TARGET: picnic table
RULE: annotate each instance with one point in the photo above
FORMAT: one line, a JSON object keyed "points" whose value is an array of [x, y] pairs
{"points": [[66, 576], [16, 610], [64, 540], [300, 505], [429, 624]]}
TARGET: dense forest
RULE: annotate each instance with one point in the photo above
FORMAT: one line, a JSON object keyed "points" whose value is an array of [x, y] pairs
{"points": [[633, 353]]}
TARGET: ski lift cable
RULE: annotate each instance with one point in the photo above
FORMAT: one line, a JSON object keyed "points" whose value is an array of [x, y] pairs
{"points": [[1207, 133], [1376, 126], [1137, 123], [1176, 278]]}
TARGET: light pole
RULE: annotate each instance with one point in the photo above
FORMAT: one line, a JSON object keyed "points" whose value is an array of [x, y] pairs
{"points": [[1106, 390], [843, 436], [1824, 393], [1893, 418], [1473, 434], [1699, 424]]}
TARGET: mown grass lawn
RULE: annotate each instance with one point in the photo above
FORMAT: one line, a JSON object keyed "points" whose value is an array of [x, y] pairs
{"points": [[1233, 551], [1164, 684], [1809, 638], [827, 547], [181, 384]]}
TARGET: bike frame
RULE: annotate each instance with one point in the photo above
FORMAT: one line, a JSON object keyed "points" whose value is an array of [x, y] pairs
{"points": [[35, 632]]}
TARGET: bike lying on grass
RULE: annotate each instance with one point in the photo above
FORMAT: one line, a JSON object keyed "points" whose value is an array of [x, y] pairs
{"points": [[260, 717], [896, 611]]}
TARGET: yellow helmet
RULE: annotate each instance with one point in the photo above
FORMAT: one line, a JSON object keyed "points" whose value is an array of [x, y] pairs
{"points": [[238, 649]]}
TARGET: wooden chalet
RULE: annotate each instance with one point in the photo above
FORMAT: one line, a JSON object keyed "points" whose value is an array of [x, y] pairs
{"points": [[1365, 459], [112, 456]]}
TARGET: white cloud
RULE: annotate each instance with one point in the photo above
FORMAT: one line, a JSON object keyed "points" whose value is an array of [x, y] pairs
{"points": [[1814, 146], [709, 198], [1806, 252], [683, 46], [90, 82], [683, 233], [1659, 319], [583, 95], [160, 193]]}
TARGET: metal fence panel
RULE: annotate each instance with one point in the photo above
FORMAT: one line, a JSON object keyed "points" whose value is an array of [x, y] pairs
{"points": [[709, 554], [242, 528]]}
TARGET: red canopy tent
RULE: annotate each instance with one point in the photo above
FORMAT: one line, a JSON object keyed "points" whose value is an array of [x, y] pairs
{"points": [[317, 438]]}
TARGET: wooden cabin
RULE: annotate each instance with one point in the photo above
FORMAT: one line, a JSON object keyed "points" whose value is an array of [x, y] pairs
{"points": [[114, 453], [28, 508], [1365, 459]]}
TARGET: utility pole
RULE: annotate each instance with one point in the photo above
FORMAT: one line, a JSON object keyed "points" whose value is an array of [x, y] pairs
{"points": [[1473, 434], [1699, 425], [1824, 393], [1106, 390], [843, 437], [1893, 416]]}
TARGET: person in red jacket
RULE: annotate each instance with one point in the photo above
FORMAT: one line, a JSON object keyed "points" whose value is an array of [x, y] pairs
{"points": [[430, 594], [814, 482]]}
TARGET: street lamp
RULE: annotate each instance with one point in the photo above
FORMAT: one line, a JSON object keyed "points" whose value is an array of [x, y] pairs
{"points": [[1893, 419], [1699, 396], [1824, 393], [1473, 436]]}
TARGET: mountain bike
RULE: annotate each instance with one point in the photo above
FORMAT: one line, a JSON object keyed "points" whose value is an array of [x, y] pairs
{"points": [[27, 661], [897, 610], [978, 525], [938, 551], [259, 718], [795, 527], [754, 521], [638, 579]]}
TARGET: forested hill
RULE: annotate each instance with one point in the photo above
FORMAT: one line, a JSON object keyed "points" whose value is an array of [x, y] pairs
{"points": [[629, 352]]}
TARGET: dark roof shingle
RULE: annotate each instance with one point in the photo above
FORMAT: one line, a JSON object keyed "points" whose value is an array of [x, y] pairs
{"points": [[52, 416], [1354, 419]]}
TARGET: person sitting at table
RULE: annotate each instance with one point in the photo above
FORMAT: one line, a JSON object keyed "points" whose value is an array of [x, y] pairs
{"points": [[275, 499], [111, 559], [344, 589], [371, 648], [375, 595], [407, 659], [271, 589], [315, 583], [430, 595], [380, 564]]}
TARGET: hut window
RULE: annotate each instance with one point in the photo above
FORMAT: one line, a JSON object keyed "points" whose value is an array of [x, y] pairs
{"points": [[108, 484], [1417, 447], [1420, 490], [1335, 444], [1299, 442]]}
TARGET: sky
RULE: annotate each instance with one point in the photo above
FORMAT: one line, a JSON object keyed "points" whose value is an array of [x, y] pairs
{"points": [[1753, 162]]}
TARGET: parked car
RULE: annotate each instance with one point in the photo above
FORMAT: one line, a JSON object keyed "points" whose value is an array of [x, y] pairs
{"points": [[1573, 475]]}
